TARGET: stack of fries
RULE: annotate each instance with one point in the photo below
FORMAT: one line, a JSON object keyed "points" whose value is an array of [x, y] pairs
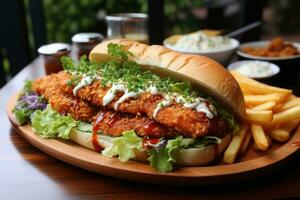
{"points": [[272, 113]]}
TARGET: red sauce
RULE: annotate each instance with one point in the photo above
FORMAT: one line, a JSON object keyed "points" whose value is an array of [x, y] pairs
{"points": [[112, 120], [296, 144], [96, 127], [149, 127], [149, 142], [216, 150]]}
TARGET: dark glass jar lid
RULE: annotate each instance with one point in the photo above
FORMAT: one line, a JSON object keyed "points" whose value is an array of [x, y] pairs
{"points": [[87, 38], [54, 48]]}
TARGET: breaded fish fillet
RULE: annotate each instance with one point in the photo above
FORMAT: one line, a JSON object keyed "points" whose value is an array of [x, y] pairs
{"points": [[184, 120], [110, 123], [113, 123], [63, 103]]}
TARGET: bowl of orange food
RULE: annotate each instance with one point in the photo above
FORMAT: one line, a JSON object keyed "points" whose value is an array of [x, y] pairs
{"points": [[274, 50], [285, 54]]}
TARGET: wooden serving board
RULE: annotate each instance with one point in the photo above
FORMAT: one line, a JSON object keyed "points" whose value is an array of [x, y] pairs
{"points": [[252, 164]]}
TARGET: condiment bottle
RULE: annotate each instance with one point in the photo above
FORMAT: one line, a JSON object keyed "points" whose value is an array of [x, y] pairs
{"points": [[51, 54], [132, 26], [83, 43]]}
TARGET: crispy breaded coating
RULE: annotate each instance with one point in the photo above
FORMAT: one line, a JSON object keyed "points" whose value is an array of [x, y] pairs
{"points": [[112, 123], [78, 109], [50, 85], [60, 101], [184, 120], [115, 124]]}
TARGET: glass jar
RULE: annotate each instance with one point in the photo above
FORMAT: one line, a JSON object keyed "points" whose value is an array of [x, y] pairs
{"points": [[132, 26], [83, 43], [51, 54]]}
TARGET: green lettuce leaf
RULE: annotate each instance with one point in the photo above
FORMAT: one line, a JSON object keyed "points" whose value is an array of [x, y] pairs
{"points": [[50, 124], [230, 120], [162, 159], [84, 127], [22, 115], [205, 141], [124, 146], [226, 115], [25, 106], [27, 86]]}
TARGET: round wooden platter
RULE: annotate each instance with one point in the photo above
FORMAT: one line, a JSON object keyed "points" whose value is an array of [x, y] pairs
{"points": [[252, 164]]}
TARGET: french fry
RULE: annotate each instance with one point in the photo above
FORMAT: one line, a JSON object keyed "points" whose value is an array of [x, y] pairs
{"points": [[269, 105], [269, 140], [235, 144], [279, 135], [259, 116], [291, 125], [259, 137], [278, 107], [289, 104], [257, 87], [253, 100], [291, 97], [246, 91], [271, 110], [285, 116], [269, 143], [245, 143]]}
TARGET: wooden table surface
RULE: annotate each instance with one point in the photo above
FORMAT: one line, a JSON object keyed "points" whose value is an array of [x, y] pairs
{"points": [[28, 173]]}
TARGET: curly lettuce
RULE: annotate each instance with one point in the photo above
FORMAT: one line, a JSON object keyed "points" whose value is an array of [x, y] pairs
{"points": [[162, 159], [161, 156], [50, 124], [28, 102], [124, 146]]}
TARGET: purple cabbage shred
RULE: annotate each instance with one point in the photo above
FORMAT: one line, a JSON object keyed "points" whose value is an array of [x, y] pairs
{"points": [[33, 101], [160, 145]]}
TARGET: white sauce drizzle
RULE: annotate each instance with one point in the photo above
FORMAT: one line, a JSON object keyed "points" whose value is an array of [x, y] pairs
{"points": [[179, 99], [161, 105], [152, 90], [197, 104], [191, 105], [213, 109], [110, 95], [125, 96], [200, 106], [83, 82], [203, 108]]}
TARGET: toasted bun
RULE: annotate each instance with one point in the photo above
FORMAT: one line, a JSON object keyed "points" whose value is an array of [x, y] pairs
{"points": [[184, 157], [204, 73]]}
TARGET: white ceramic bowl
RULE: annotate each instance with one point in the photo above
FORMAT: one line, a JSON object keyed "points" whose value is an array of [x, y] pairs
{"points": [[223, 56], [274, 68], [260, 44]]}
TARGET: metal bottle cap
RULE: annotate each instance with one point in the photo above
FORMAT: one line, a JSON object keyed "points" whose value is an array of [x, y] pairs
{"points": [[54, 48], [87, 37]]}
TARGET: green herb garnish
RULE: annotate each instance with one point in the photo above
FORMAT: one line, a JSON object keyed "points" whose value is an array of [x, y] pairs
{"points": [[120, 69]]}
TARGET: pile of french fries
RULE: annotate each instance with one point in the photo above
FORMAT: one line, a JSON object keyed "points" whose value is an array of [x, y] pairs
{"points": [[272, 113]]}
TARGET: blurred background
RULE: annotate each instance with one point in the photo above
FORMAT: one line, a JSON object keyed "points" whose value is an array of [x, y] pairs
{"points": [[67, 17], [27, 24]]}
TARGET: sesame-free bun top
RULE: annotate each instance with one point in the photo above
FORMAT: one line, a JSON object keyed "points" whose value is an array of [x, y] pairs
{"points": [[204, 73]]}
